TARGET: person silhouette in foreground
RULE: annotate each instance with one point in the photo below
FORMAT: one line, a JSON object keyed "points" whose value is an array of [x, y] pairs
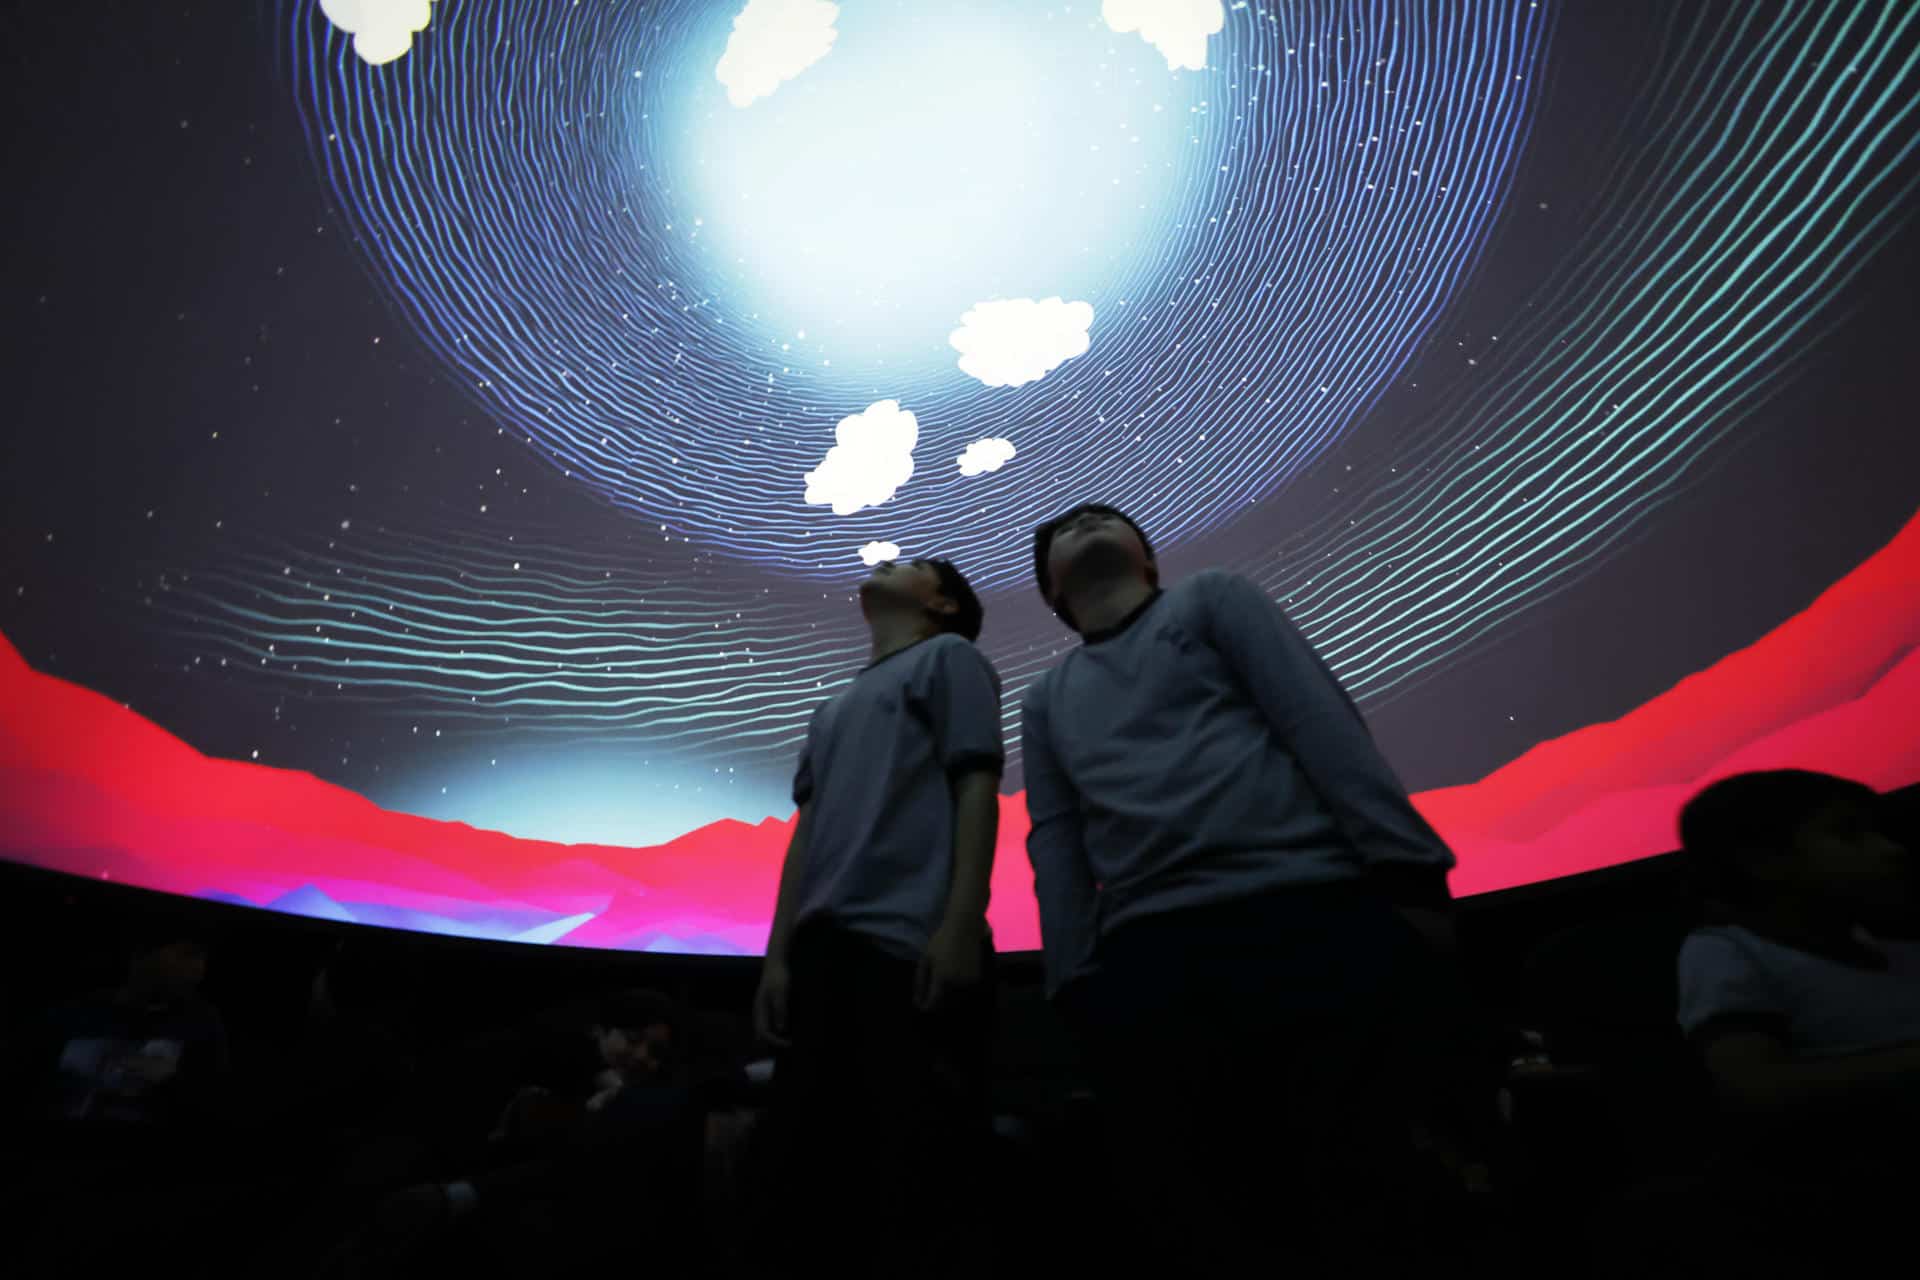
{"points": [[1802, 998], [124, 1156], [555, 1133], [1243, 915], [148, 1057], [876, 990], [605, 1137]]}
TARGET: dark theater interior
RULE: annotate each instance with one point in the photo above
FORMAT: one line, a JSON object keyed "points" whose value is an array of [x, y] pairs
{"points": [[895, 638]]}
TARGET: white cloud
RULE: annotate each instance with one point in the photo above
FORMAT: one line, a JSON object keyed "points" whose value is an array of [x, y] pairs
{"points": [[1014, 341], [772, 42], [874, 552], [1177, 28], [990, 454], [871, 458], [382, 30]]}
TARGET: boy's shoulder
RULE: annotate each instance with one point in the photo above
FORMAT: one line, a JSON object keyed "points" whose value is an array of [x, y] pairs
{"points": [[1732, 952], [1715, 942], [947, 644], [1210, 580], [1212, 588], [934, 661], [947, 650], [1200, 599], [1040, 688]]}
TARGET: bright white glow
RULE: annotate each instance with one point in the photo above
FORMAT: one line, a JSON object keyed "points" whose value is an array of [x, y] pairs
{"points": [[382, 30], [990, 454], [772, 42], [876, 552], [871, 458], [953, 152], [1177, 28], [596, 793], [1014, 341]]}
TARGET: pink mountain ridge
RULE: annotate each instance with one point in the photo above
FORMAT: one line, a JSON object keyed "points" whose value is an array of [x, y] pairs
{"points": [[91, 788]]}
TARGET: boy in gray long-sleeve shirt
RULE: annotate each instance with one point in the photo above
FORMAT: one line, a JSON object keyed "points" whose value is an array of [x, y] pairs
{"points": [[1227, 870]]}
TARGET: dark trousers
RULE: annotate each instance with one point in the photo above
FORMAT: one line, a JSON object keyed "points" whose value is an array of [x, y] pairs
{"points": [[1260, 1064], [1832, 1198], [876, 1136], [646, 1142]]}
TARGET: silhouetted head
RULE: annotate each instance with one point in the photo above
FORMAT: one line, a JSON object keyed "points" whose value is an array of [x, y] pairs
{"points": [[163, 965], [636, 1032], [1759, 839], [933, 588], [1092, 540]]}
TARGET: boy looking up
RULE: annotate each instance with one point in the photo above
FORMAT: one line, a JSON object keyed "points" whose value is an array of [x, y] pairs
{"points": [[1234, 888], [877, 984]]}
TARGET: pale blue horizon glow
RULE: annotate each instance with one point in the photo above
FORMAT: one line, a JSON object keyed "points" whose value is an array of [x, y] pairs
{"points": [[589, 794]]}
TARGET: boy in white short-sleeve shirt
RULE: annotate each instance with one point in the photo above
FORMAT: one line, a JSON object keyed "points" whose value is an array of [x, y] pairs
{"points": [[877, 988]]}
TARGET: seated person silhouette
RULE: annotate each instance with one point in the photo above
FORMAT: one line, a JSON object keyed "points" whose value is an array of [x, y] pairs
{"points": [[601, 1084], [1802, 998], [126, 1100], [142, 1059]]}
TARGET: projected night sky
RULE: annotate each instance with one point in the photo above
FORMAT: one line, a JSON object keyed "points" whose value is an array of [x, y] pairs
{"points": [[489, 412]]}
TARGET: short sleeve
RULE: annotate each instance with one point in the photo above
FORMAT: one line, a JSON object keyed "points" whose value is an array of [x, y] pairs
{"points": [[1721, 980], [959, 693]]}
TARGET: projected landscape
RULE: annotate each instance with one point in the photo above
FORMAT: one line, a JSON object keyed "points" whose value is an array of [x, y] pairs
{"points": [[446, 447]]}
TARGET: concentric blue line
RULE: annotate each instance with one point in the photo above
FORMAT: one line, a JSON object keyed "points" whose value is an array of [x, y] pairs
{"points": [[509, 184], [507, 200]]}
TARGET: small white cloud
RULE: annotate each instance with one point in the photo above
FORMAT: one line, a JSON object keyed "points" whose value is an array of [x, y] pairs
{"points": [[871, 458], [772, 42], [875, 552], [990, 454], [382, 30], [1177, 28], [1014, 341]]}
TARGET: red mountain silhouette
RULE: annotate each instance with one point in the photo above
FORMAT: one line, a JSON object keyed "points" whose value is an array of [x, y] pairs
{"points": [[89, 787]]}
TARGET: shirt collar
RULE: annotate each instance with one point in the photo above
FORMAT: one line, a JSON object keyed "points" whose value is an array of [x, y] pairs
{"points": [[1108, 633]]}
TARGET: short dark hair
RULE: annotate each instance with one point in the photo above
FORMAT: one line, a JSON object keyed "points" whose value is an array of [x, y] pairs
{"points": [[1043, 544], [1738, 820], [967, 619], [143, 934]]}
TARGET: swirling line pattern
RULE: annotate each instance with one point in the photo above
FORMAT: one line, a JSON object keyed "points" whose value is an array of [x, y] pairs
{"points": [[528, 637], [1787, 139], [1783, 159], [506, 181]]}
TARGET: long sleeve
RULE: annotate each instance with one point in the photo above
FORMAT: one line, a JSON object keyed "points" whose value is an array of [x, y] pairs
{"points": [[803, 771], [1319, 725], [1062, 878]]}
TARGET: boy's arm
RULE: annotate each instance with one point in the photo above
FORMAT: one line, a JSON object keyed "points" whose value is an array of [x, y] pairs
{"points": [[953, 957], [787, 901], [786, 898], [770, 998], [1311, 714], [976, 826], [961, 699], [1063, 880], [1756, 1073]]}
